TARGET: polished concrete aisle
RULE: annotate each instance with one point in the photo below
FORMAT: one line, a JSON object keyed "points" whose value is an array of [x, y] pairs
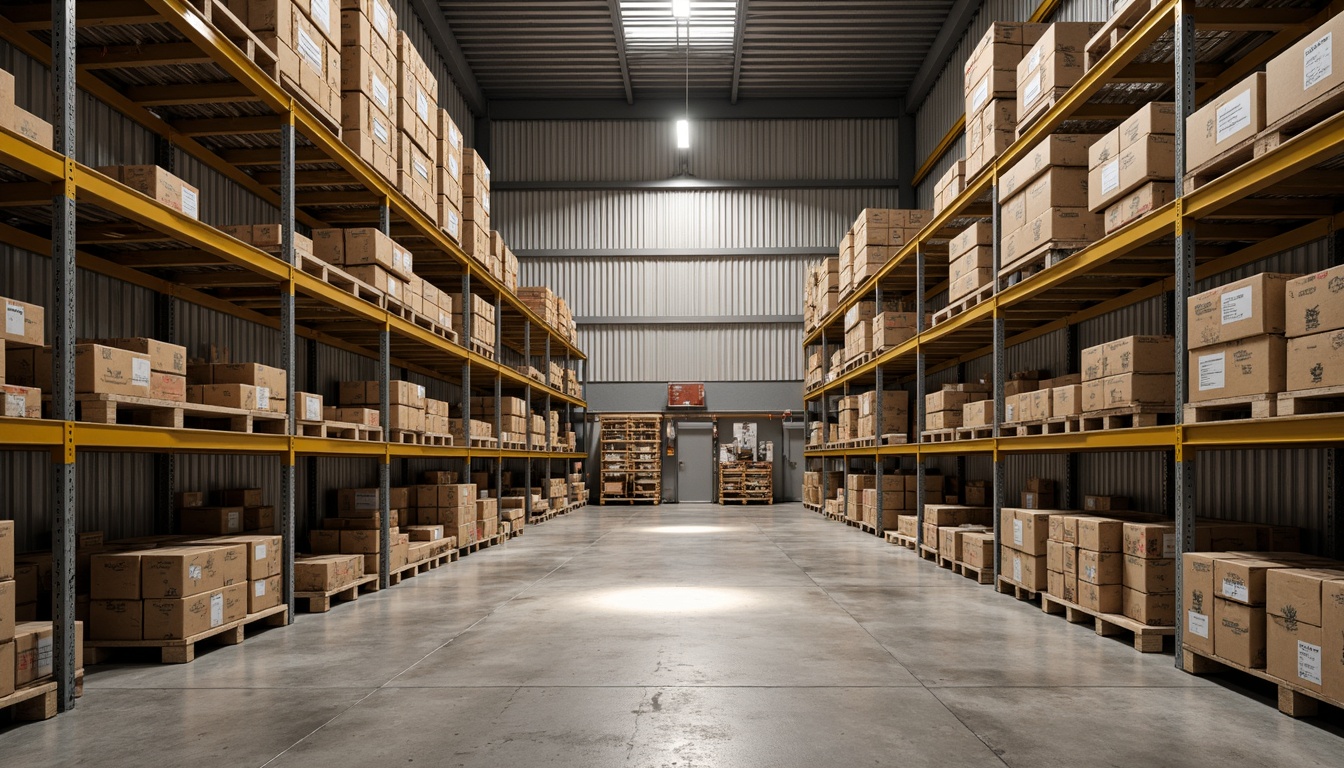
{"points": [[682, 635]]}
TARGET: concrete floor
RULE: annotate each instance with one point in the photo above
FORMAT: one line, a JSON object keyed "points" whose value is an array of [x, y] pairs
{"points": [[682, 635]]}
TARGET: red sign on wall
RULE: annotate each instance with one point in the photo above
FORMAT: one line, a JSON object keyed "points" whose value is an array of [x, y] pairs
{"points": [[686, 395]]}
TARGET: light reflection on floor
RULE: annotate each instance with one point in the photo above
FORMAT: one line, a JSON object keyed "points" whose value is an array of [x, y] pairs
{"points": [[672, 600], [692, 529]]}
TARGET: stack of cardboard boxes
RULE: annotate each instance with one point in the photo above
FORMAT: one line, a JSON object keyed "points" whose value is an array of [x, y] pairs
{"points": [[990, 88], [1229, 120], [1149, 575], [23, 334], [267, 237], [578, 489], [1314, 324], [482, 323], [137, 367], [1135, 371], [369, 71], [369, 256], [250, 386], [876, 236], [1019, 384], [448, 170], [157, 184], [238, 510], [970, 261], [418, 128], [1131, 169], [1235, 337], [475, 206], [327, 573], [812, 485], [406, 412], [1036, 400], [512, 416], [949, 186], [1050, 67], [171, 592], [305, 36], [1044, 201], [944, 409], [821, 292], [20, 120], [892, 419], [938, 515], [8, 592], [356, 529], [1024, 552]]}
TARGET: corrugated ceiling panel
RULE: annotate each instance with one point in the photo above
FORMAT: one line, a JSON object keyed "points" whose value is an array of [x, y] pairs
{"points": [[630, 150], [449, 96], [693, 352], [644, 286], [599, 220]]}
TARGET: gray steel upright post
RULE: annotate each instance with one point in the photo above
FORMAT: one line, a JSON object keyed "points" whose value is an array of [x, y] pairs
{"points": [[63, 291], [825, 428], [1000, 471], [385, 419], [921, 388], [527, 416], [499, 394], [877, 428], [288, 360], [547, 411], [1185, 287]]}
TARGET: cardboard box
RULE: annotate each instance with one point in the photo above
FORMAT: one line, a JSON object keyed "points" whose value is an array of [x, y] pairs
{"points": [[1137, 354], [242, 396], [1128, 389], [115, 620], [180, 571], [178, 618], [1231, 118], [1239, 633], [1315, 361], [1100, 534], [1055, 151], [1198, 597], [163, 357], [978, 414], [158, 184], [218, 521], [1102, 598], [1298, 593], [327, 573], [1100, 567], [1056, 187], [1242, 579], [1242, 309], [980, 233], [254, 374], [263, 553], [1149, 575], [1150, 540], [263, 594], [1246, 367], [1025, 570], [101, 369], [24, 323], [1332, 631], [1026, 530], [32, 652], [1155, 610], [1315, 303], [1303, 72], [1137, 204]]}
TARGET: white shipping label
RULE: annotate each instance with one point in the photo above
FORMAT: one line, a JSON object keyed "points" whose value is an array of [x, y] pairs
{"points": [[454, 169], [45, 656], [15, 405], [454, 226], [980, 95], [320, 13], [1234, 115], [381, 20], [310, 51], [216, 610], [1168, 545], [422, 105], [421, 169], [194, 572], [380, 131], [140, 372], [380, 93], [1017, 532], [1198, 624], [1034, 60], [1317, 61], [391, 286], [1017, 569], [235, 522], [1110, 177], [1237, 305], [259, 588], [1236, 590], [14, 319], [366, 499], [263, 398], [261, 551], [485, 203], [1090, 572], [1032, 89], [406, 261], [454, 137], [1309, 662], [1211, 371], [191, 203], [312, 409], [419, 391]]}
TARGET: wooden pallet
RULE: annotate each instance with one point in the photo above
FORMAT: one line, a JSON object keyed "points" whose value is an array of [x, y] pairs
{"points": [[339, 278], [1060, 425], [477, 546], [811, 506], [1023, 428], [1115, 29], [321, 602], [113, 409], [861, 525], [857, 442], [725, 500], [1007, 586], [339, 430], [432, 438], [898, 538], [405, 437], [1229, 408], [928, 553], [978, 296], [1301, 120], [1293, 700], [31, 703], [1225, 161], [974, 573], [855, 362], [488, 352], [895, 439], [1127, 417], [1306, 401], [1147, 638], [975, 433], [488, 442], [938, 435], [182, 651], [1039, 259], [944, 562]]}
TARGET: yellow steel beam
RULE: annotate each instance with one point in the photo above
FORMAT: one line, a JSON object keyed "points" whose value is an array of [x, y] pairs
{"points": [[1139, 438], [123, 437], [944, 144], [1316, 429], [31, 433]]}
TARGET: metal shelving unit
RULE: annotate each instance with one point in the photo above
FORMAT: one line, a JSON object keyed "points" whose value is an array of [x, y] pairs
{"points": [[217, 105], [630, 454], [1235, 220]]}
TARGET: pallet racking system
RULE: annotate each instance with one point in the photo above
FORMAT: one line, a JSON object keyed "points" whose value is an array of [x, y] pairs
{"points": [[1281, 199], [200, 91], [742, 482], [630, 453]]}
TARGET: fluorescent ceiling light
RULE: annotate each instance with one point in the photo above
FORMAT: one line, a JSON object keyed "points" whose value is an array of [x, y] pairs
{"points": [[681, 9], [657, 24], [683, 134]]}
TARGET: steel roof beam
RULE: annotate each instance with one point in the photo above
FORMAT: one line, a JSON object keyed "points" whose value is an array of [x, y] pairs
{"points": [[954, 28], [701, 109], [618, 29], [739, 32]]}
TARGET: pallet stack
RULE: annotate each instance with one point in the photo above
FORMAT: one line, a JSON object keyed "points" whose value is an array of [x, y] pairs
{"points": [[482, 337], [944, 410], [418, 126], [369, 70], [971, 262], [1238, 353], [1047, 207], [1130, 379], [475, 206], [306, 39], [356, 529], [949, 186], [1050, 67], [1315, 330], [742, 482], [406, 412], [630, 451], [821, 292], [990, 89], [1132, 168], [448, 170], [17, 342]]}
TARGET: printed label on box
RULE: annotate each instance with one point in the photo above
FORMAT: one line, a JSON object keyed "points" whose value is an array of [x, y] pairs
{"points": [[1032, 89], [419, 391], [261, 551], [454, 169], [140, 372], [1110, 177], [1198, 624], [380, 92], [234, 521], [16, 405], [1235, 589], [259, 588], [1017, 532], [366, 499], [14, 319], [1309, 662], [421, 169], [1211, 368], [1034, 60], [216, 610], [1317, 61], [454, 226], [381, 21], [194, 572], [309, 51], [422, 105], [312, 409], [980, 94], [191, 203], [1237, 305], [1168, 545], [380, 131], [454, 137], [485, 203], [320, 13], [1234, 115]]}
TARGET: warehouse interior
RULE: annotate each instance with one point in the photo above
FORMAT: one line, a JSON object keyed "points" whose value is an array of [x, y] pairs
{"points": [[671, 382]]}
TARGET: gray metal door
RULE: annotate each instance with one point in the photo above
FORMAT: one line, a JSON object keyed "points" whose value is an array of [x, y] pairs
{"points": [[695, 456], [792, 462]]}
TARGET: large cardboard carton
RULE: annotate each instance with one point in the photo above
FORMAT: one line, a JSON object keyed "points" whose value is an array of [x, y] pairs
{"points": [[1252, 366], [1026, 570], [1149, 575], [1231, 118], [1253, 306], [182, 617], [1293, 652], [1298, 592], [180, 571], [327, 572], [1298, 75], [1239, 633], [1315, 303], [1101, 568], [1137, 204], [1129, 389], [1243, 579], [1315, 361], [121, 619], [24, 323], [263, 553], [263, 594], [1156, 610], [1332, 633]]}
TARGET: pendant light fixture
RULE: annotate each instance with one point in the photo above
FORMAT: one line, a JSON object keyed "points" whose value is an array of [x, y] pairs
{"points": [[681, 9]]}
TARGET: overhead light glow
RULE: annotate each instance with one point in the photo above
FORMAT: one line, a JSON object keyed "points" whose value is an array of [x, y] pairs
{"points": [[680, 600], [717, 529], [683, 134], [681, 9]]}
